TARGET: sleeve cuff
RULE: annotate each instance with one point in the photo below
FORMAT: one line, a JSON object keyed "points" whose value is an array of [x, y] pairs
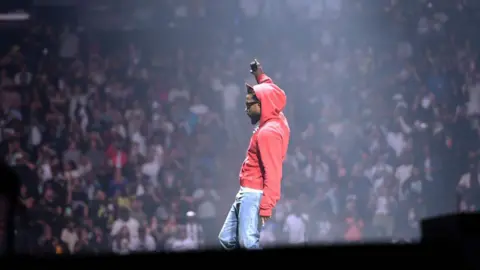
{"points": [[265, 212]]}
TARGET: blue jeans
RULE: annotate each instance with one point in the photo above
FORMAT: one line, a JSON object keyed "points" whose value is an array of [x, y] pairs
{"points": [[242, 225]]}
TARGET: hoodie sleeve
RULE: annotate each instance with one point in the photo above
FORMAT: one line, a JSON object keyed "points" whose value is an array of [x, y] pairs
{"points": [[271, 156], [263, 78]]}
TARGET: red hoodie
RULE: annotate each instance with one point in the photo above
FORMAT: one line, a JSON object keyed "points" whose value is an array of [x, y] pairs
{"points": [[262, 168]]}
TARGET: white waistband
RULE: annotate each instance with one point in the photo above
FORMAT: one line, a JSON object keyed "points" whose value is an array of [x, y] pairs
{"points": [[246, 189]]}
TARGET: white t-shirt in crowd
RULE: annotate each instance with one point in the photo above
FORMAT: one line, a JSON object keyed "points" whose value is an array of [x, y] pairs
{"points": [[376, 174], [183, 245], [473, 105], [140, 140], [296, 228], [230, 96], [178, 93], [199, 109], [404, 172], [206, 208], [319, 172], [140, 245], [35, 137], [194, 232], [70, 238], [23, 78], [230, 92], [381, 207], [45, 172], [120, 130], [132, 225], [158, 150], [151, 170], [397, 142], [75, 102], [324, 228], [377, 169], [465, 180]]}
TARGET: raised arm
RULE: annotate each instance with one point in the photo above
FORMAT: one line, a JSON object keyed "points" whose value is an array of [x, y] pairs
{"points": [[257, 71]]}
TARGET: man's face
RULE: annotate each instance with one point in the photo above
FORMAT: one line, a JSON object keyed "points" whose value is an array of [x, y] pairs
{"points": [[252, 107]]}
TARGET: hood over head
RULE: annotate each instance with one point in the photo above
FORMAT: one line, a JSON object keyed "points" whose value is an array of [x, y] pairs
{"points": [[272, 99]]}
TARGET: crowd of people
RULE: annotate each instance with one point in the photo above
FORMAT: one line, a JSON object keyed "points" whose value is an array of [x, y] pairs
{"points": [[125, 143], [385, 104]]}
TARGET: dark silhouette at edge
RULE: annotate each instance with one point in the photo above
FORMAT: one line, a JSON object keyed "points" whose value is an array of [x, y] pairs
{"points": [[9, 189]]}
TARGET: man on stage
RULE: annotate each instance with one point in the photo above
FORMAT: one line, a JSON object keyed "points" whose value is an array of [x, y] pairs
{"points": [[261, 171]]}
